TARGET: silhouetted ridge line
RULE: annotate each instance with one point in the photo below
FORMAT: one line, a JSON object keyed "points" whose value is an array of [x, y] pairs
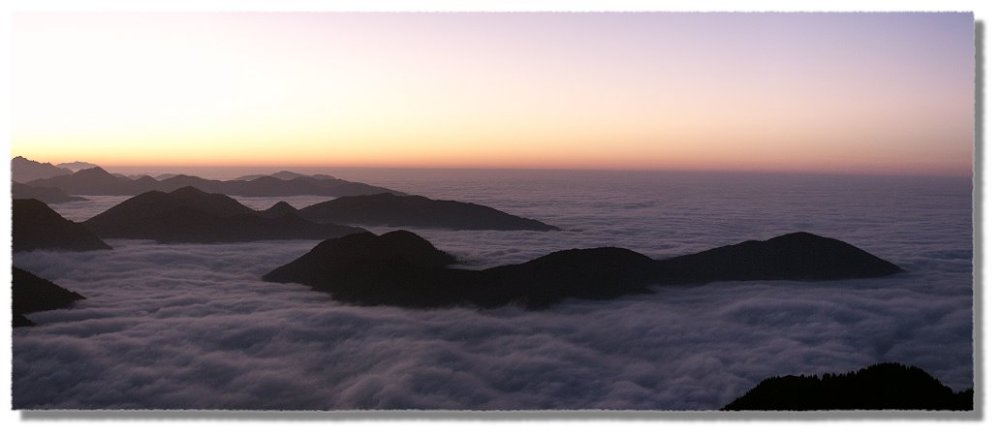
{"points": [[45, 194], [797, 256], [76, 165], [36, 226], [31, 293], [366, 270], [284, 174], [189, 215], [97, 181], [279, 209], [417, 211], [887, 386], [25, 170]]}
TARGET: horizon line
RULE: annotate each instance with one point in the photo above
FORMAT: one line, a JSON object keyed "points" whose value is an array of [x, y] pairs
{"points": [[970, 172]]}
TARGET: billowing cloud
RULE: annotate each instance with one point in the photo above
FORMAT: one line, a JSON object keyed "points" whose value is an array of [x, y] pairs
{"points": [[192, 326]]}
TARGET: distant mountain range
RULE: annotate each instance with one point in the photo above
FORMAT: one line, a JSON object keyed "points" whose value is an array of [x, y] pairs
{"points": [[84, 178], [76, 165], [886, 386], [45, 194], [97, 181], [417, 211], [36, 226], [189, 215], [355, 203], [283, 175], [402, 269], [24, 170]]}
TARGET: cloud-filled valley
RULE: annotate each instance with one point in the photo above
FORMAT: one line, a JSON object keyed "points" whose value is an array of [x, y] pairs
{"points": [[193, 326]]}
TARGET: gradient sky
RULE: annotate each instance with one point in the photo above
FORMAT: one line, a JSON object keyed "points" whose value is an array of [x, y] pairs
{"points": [[856, 93]]}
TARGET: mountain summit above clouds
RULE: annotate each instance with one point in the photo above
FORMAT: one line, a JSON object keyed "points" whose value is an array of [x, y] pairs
{"points": [[38, 227], [25, 170], [346, 269], [418, 211], [76, 165], [189, 215], [97, 181]]}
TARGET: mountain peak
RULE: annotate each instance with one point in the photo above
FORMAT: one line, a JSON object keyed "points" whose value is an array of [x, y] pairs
{"points": [[36, 226], [76, 165], [24, 170], [279, 209]]}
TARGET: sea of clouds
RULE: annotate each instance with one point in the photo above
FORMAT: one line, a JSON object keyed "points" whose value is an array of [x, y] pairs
{"points": [[194, 327]]}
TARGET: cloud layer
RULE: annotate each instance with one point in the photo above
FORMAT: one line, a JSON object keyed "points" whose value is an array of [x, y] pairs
{"points": [[192, 326]]}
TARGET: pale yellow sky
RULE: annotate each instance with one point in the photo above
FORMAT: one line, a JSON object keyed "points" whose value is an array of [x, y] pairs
{"points": [[865, 93]]}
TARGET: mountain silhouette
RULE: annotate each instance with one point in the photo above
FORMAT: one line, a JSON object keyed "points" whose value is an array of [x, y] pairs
{"points": [[36, 226], [31, 293], [279, 209], [397, 268], [360, 269], [886, 386], [417, 211], [76, 165], [284, 174], [45, 194], [97, 181], [600, 273], [189, 215], [795, 256], [25, 170]]}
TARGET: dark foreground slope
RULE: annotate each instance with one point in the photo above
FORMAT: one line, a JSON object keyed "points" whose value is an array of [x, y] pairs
{"points": [[36, 226], [888, 386], [400, 268], [189, 215], [417, 211], [31, 293]]}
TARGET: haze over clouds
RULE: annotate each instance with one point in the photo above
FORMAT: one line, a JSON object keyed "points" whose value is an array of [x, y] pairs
{"points": [[192, 326]]}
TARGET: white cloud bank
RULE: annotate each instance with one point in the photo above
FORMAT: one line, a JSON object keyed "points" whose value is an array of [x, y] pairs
{"points": [[192, 326]]}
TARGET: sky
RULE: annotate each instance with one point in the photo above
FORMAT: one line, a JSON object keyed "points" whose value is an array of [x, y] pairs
{"points": [[800, 92]]}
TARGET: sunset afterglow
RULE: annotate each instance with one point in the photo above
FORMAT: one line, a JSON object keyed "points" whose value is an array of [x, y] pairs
{"points": [[868, 92]]}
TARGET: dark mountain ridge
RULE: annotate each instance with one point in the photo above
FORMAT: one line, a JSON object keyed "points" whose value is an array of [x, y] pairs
{"points": [[189, 215], [284, 174], [97, 181], [795, 256], [30, 293], [886, 386], [347, 269], [279, 209], [24, 170], [36, 226], [417, 211], [45, 194], [76, 165]]}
